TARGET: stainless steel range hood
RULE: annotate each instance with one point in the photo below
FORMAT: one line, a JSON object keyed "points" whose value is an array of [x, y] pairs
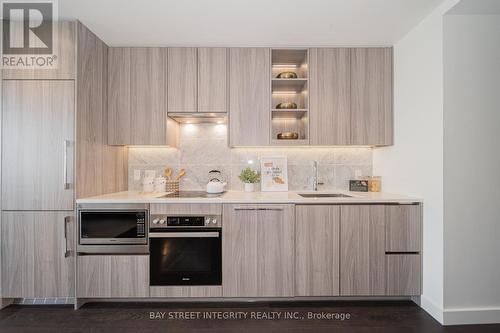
{"points": [[199, 117]]}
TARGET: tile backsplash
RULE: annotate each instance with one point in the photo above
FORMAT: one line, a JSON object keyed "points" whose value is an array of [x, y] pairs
{"points": [[203, 147]]}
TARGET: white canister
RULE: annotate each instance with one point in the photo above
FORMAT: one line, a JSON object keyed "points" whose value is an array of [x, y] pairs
{"points": [[160, 184], [148, 185]]}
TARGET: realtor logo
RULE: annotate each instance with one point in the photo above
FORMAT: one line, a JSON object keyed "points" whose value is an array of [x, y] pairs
{"points": [[28, 34]]}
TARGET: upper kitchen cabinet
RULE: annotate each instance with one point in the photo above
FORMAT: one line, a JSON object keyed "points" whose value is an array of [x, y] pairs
{"points": [[64, 52], [136, 97], [37, 144], [182, 79], [330, 105], [371, 96], [249, 97], [197, 80], [212, 79]]}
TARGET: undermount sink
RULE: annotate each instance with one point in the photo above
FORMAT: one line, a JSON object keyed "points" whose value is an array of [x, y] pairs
{"points": [[324, 195]]}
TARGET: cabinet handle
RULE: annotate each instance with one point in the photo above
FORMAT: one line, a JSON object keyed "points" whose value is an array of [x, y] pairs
{"points": [[65, 165], [257, 208], [67, 219]]}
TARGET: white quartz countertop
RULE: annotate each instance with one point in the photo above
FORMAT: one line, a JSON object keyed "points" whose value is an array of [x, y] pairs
{"points": [[241, 197]]}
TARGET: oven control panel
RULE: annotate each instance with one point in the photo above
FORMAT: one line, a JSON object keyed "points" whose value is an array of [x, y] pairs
{"points": [[176, 221]]}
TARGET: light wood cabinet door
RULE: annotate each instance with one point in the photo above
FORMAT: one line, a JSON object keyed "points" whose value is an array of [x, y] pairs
{"points": [[362, 250], [182, 79], [36, 257], [249, 97], [403, 230], [136, 96], [330, 109], [113, 276], [37, 145], [371, 96], [212, 79], [258, 251], [404, 275], [317, 250], [65, 68]]}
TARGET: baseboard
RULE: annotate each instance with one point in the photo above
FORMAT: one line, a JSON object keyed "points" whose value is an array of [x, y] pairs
{"points": [[466, 316], [432, 308]]}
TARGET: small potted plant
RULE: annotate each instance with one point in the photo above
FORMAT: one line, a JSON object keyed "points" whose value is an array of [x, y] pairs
{"points": [[249, 177]]}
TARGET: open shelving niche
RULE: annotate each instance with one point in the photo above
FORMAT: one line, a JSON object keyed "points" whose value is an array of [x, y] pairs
{"points": [[290, 90]]}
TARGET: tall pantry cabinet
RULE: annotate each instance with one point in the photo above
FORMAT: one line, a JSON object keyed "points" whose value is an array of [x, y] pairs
{"points": [[53, 145]]}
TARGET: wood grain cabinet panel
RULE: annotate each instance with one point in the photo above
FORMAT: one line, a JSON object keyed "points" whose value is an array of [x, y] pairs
{"points": [[362, 250], [99, 168], [249, 97], [182, 79], [65, 68], [38, 121], [317, 250], [257, 251], [403, 228], [212, 79], [330, 114], [113, 276], [403, 275], [186, 291], [34, 247], [136, 96], [371, 96]]}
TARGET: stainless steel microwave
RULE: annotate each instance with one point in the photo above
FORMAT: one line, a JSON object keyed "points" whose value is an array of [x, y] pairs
{"points": [[112, 228]]}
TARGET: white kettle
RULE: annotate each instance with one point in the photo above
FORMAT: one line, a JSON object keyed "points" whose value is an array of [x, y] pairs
{"points": [[216, 184]]}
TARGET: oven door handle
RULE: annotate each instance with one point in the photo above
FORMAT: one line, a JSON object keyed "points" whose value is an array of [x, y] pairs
{"points": [[212, 234]]}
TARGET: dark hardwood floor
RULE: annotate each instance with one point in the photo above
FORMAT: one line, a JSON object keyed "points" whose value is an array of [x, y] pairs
{"points": [[369, 317]]}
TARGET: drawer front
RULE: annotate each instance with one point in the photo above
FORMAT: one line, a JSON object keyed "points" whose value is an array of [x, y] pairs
{"points": [[186, 209], [186, 291], [403, 228], [403, 275], [113, 276]]}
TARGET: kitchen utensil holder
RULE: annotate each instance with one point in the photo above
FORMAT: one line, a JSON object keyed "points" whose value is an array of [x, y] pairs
{"points": [[172, 186]]}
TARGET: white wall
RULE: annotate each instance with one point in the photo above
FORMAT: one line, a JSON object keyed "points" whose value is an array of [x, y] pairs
{"points": [[414, 165], [471, 164]]}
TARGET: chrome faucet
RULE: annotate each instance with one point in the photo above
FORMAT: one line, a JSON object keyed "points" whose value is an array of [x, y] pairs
{"points": [[315, 176]]}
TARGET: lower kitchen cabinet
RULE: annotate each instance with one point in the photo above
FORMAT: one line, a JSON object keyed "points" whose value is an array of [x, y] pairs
{"points": [[403, 274], [36, 260], [258, 251], [113, 276], [362, 250], [317, 250]]}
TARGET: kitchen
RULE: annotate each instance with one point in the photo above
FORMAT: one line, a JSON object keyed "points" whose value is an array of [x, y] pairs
{"points": [[173, 172]]}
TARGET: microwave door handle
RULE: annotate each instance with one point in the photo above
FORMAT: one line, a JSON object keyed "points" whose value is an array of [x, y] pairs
{"points": [[213, 234]]}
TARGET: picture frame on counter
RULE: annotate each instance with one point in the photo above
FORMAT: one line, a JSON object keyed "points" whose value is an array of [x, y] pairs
{"points": [[274, 173]]}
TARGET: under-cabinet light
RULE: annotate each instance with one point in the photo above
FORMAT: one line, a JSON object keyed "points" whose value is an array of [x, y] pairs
{"points": [[285, 92], [285, 66]]}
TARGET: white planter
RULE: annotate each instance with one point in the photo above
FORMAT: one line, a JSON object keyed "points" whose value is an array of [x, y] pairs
{"points": [[249, 187]]}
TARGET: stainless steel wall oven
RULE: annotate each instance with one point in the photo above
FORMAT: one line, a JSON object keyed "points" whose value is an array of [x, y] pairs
{"points": [[185, 250]]}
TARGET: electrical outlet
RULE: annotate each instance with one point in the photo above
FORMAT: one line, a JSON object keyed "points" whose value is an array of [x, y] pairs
{"points": [[137, 174]]}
